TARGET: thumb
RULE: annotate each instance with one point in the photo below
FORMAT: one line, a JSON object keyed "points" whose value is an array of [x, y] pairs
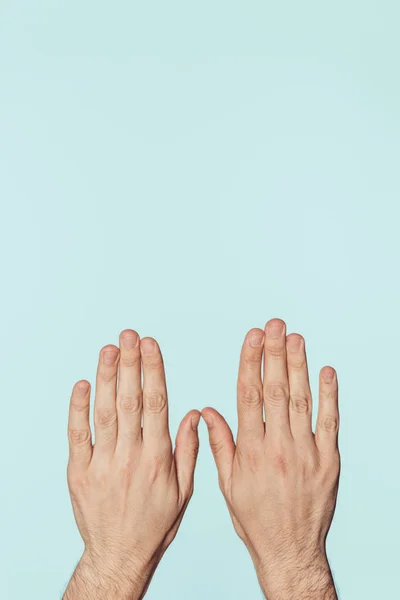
{"points": [[186, 450], [221, 442]]}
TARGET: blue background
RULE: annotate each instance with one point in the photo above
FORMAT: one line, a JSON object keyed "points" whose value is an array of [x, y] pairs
{"points": [[190, 170]]}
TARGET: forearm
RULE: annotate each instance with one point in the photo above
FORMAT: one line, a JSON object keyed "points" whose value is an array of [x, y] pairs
{"points": [[312, 581], [100, 582]]}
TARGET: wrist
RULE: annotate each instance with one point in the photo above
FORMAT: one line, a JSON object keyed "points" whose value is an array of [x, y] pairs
{"points": [[296, 576], [104, 577]]}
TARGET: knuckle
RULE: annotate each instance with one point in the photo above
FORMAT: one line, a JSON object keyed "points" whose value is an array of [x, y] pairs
{"points": [[155, 401], [107, 375], [81, 407], [130, 403], [105, 417], [76, 480], [328, 395], [129, 361], [330, 424], [274, 351], [153, 364], [330, 470], [158, 463], [252, 457], [251, 396], [300, 403], [126, 469], [281, 463], [297, 364], [100, 477], [217, 446], [252, 359], [276, 394], [79, 437]]}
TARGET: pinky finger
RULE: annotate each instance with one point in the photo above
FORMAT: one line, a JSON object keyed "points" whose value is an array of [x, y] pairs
{"points": [[79, 433], [327, 428]]}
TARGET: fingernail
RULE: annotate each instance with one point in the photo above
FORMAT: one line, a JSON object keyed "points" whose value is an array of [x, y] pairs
{"points": [[130, 339], [275, 328], [148, 346], [82, 388], [256, 339], [294, 343], [208, 419], [109, 357], [328, 375], [195, 422]]}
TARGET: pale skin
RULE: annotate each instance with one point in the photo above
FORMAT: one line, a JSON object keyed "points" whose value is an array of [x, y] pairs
{"points": [[280, 479], [131, 488]]}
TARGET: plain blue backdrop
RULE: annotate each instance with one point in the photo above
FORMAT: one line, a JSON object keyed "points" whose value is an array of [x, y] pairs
{"points": [[190, 170]]}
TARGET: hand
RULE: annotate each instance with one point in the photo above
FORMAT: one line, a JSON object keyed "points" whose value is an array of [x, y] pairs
{"points": [[129, 491], [280, 481]]}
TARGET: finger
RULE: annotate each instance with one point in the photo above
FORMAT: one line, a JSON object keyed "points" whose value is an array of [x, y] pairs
{"points": [[186, 451], [249, 389], [327, 428], [221, 443], [155, 399], [300, 405], [129, 394], [276, 384], [105, 414], [79, 434]]}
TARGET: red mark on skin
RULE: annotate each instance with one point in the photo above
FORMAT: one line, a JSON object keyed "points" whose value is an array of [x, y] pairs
{"points": [[281, 464]]}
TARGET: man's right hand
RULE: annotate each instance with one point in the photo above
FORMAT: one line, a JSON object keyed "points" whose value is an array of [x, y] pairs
{"points": [[280, 480]]}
